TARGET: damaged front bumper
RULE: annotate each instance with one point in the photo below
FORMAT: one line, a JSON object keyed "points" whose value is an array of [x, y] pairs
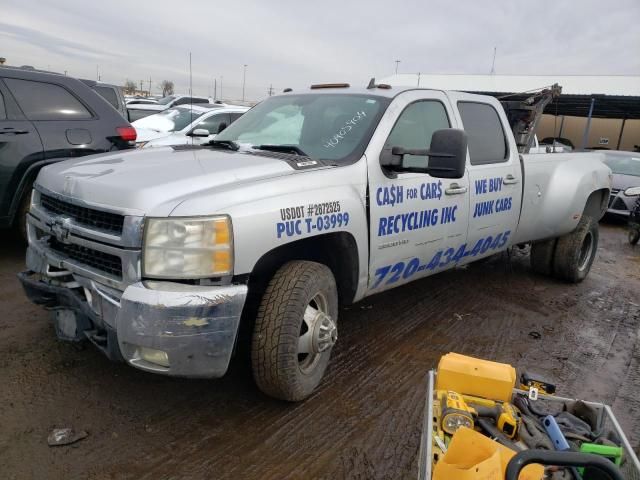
{"points": [[162, 327]]}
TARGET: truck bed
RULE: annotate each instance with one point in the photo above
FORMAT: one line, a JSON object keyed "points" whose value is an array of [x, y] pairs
{"points": [[554, 190]]}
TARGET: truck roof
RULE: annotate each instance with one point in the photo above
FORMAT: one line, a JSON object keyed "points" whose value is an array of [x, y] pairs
{"points": [[385, 91]]}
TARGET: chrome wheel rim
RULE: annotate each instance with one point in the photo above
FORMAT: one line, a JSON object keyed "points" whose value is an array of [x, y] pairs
{"points": [[318, 333], [586, 250]]}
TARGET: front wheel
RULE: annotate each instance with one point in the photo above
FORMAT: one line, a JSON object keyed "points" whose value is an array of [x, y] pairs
{"points": [[23, 210], [295, 330], [576, 251]]}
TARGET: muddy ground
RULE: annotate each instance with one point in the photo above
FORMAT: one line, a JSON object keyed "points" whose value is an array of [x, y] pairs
{"points": [[364, 421]]}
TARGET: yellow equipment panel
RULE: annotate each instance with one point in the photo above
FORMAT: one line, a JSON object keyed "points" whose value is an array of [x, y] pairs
{"points": [[473, 376]]}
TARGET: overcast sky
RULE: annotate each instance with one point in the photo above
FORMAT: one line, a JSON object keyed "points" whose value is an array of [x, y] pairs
{"points": [[296, 43]]}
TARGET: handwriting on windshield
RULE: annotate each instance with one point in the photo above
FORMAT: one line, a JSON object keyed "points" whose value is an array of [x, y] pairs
{"points": [[344, 130]]}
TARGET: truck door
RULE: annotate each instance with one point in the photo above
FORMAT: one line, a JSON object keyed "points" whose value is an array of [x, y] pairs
{"points": [[495, 179], [416, 221]]}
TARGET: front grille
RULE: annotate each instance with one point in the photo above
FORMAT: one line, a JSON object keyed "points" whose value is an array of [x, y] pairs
{"points": [[105, 221], [102, 261], [618, 204]]}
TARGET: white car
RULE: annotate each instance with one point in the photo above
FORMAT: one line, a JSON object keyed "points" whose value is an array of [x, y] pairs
{"points": [[172, 101], [185, 124], [142, 101]]}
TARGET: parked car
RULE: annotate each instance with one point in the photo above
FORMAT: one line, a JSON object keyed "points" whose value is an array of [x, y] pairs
{"points": [[142, 101], [172, 101], [625, 167], [185, 124], [309, 199], [138, 111], [558, 144], [111, 93], [45, 118]]}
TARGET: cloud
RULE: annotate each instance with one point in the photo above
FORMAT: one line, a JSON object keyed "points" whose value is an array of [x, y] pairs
{"points": [[293, 44]]}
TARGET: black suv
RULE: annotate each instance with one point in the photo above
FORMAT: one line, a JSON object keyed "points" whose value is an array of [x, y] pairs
{"points": [[45, 118]]}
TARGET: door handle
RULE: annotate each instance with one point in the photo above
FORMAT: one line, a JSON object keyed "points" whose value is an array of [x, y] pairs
{"points": [[15, 132], [510, 180], [455, 189]]}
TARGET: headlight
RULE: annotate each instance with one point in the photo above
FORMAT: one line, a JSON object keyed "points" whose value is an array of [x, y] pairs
{"points": [[187, 247], [632, 191]]}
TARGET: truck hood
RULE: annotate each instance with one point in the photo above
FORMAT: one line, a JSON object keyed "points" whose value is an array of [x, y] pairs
{"points": [[155, 181]]}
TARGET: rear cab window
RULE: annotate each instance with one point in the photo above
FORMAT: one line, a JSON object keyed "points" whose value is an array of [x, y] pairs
{"points": [[486, 138], [46, 101]]}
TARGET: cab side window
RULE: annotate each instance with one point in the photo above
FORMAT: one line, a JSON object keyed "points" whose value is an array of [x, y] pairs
{"points": [[486, 139], [414, 129]]}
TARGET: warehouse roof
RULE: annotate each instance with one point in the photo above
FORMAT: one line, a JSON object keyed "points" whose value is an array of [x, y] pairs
{"points": [[616, 96]]}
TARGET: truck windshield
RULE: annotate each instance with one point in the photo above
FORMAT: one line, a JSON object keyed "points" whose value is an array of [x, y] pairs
{"points": [[335, 127]]}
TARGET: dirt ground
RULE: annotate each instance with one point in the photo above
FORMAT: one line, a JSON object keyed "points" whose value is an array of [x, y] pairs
{"points": [[363, 422]]}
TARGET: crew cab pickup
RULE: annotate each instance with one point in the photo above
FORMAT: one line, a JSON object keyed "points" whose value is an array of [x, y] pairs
{"points": [[327, 195]]}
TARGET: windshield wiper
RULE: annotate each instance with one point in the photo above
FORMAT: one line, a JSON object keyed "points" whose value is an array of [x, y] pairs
{"points": [[228, 144], [281, 148]]}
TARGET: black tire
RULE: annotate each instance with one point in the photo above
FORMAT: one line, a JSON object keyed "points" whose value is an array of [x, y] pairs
{"points": [[21, 213], [541, 256], [576, 251], [634, 236], [278, 368]]}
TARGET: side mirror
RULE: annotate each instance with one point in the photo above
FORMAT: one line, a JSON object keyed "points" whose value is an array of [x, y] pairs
{"points": [[221, 127], [200, 132], [447, 155]]}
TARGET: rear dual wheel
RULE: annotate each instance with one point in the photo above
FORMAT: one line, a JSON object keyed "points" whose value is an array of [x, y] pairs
{"points": [[295, 330], [568, 257]]}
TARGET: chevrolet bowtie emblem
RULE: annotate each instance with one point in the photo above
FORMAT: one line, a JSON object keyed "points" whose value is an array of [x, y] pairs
{"points": [[60, 227]]}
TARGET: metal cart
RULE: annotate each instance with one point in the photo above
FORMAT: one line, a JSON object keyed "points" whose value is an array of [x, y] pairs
{"points": [[606, 419]]}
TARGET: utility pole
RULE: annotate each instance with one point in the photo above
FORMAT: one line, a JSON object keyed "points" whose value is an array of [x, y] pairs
{"points": [[98, 72], [221, 77], [141, 82], [244, 78], [493, 63], [215, 88], [270, 91], [397, 63], [149, 85]]}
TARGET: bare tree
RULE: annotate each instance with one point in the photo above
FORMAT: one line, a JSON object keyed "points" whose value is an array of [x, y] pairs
{"points": [[167, 87], [129, 87]]}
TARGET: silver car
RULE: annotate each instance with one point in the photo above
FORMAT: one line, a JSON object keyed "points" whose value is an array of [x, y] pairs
{"points": [[626, 174]]}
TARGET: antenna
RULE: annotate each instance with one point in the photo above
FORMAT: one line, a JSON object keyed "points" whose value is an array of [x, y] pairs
{"points": [[493, 63], [190, 94]]}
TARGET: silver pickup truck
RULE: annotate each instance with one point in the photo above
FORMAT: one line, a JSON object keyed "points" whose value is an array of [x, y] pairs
{"points": [[160, 258]]}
